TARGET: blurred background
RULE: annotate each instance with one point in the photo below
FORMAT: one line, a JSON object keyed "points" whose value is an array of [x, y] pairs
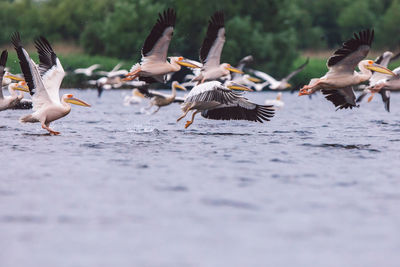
{"points": [[280, 34]]}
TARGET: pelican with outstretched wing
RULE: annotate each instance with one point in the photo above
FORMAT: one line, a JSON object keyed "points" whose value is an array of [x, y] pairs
{"points": [[154, 65], [337, 84], [218, 102], [11, 101], [87, 71], [44, 83], [211, 50], [275, 84]]}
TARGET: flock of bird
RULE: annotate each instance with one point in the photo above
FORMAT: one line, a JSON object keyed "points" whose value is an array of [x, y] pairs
{"points": [[217, 88]]}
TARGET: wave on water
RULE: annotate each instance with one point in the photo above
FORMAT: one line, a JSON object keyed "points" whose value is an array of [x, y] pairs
{"points": [[343, 146]]}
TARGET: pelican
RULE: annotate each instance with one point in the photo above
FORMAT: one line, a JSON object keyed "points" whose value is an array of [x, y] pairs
{"points": [[385, 86], [87, 71], [116, 71], [277, 103], [218, 102], [244, 79], [9, 102], [337, 84], [107, 83], [135, 98], [275, 84], [161, 100], [20, 102], [44, 83], [378, 78], [211, 49], [154, 65]]}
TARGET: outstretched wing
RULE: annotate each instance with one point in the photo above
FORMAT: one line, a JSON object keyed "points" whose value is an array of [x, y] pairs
{"points": [[3, 61], [242, 63], [50, 68], [157, 42], [211, 49], [342, 98], [32, 75], [346, 58]]}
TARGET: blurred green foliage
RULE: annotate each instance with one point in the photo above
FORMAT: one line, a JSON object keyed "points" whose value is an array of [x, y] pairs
{"points": [[273, 31]]}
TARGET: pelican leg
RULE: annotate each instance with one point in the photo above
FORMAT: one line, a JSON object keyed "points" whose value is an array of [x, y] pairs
{"points": [[307, 89], [188, 123], [132, 75], [46, 127], [158, 108]]}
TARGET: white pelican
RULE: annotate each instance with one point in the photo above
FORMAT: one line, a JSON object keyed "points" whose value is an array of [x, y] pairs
{"points": [[277, 103], [154, 65], [116, 71], [135, 98], [162, 100], [337, 84], [378, 78], [244, 79], [21, 102], [44, 83], [218, 102], [211, 49], [108, 83], [385, 86], [275, 84], [87, 71], [11, 101]]}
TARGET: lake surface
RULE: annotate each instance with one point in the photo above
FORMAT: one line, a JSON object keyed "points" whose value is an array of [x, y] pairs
{"points": [[313, 187]]}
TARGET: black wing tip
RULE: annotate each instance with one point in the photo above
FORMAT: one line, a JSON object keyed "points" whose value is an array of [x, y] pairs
{"points": [[364, 37], [3, 58], [217, 19], [16, 39], [167, 18]]}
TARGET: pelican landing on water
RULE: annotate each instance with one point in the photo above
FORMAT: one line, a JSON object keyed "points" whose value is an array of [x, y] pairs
{"points": [[337, 84], [154, 65], [44, 83], [218, 102]]}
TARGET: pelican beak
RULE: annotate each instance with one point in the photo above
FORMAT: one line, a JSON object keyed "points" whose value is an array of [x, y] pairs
{"points": [[14, 77], [187, 63], [239, 87], [232, 69], [288, 85], [254, 80], [77, 101], [380, 69], [180, 87], [22, 88]]}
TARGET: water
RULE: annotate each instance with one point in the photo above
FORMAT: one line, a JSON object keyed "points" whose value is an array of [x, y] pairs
{"points": [[313, 187]]}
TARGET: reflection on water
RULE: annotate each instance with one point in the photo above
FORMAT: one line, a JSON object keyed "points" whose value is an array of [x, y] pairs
{"points": [[313, 187]]}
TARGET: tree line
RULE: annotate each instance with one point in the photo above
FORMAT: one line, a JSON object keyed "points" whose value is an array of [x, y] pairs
{"points": [[273, 31]]}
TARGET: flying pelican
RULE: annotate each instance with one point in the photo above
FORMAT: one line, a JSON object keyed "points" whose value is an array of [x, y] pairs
{"points": [[218, 102], [116, 71], [107, 83], [44, 83], [337, 84], [154, 65], [9, 102], [384, 87], [244, 79], [161, 100], [211, 49], [275, 84], [87, 71], [277, 103], [378, 78]]}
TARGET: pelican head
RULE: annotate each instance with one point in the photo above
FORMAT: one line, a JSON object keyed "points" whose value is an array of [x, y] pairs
{"points": [[227, 66], [279, 96], [371, 65], [69, 98], [21, 86], [252, 79], [235, 86], [176, 85], [184, 62]]}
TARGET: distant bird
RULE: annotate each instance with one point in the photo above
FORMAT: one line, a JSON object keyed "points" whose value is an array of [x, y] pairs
{"points": [[135, 98], [21, 102], [154, 65], [211, 49], [8, 102], [275, 84], [219, 102], [161, 100], [116, 71], [108, 83], [244, 79], [337, 84], [378, 78], [87, 71], [44, 83], [277, 103]]}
